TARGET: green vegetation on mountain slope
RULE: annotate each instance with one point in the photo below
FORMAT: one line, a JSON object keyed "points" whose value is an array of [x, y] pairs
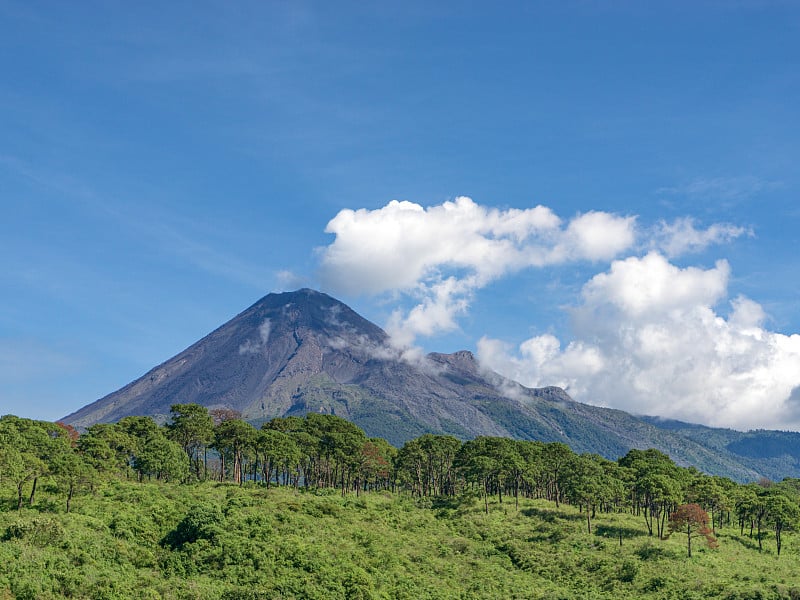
{"points": [[217, 540], [133, 510]]}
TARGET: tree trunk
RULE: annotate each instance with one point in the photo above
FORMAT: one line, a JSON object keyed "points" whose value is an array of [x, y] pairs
{"points": [[758, 533], [713, 524], [33, 491], [689, 538], [237, 467]]}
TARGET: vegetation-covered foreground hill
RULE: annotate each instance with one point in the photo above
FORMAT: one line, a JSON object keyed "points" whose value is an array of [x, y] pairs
{"points": [[207, 506], [220, 540]]}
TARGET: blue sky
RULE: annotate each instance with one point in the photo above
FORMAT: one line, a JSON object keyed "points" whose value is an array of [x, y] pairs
{"points": [[164, 166]]}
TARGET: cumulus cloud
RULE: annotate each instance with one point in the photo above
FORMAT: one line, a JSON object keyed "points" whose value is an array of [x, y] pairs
{"points": [[647, 335], [682, 236], [440, 255], [650, 338], [401, 244]]}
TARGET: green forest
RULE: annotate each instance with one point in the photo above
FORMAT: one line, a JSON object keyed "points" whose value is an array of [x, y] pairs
{"points": [[207, 506]]}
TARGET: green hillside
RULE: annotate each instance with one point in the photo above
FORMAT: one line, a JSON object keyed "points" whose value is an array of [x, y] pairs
{"points": [[310, 508], [250, 543]]}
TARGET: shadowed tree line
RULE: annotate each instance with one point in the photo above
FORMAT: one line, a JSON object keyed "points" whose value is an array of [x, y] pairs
{"points": [[324, 451]]}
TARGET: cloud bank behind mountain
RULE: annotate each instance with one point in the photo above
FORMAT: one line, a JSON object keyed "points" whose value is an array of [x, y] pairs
{"points": [[647, 335]]}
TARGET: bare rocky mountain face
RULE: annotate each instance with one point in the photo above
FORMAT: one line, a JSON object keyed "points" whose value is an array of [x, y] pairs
{"points": [[303, 351]]}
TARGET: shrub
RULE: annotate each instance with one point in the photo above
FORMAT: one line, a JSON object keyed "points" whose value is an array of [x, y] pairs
{"points": [[628, 571], [202, 522], [39, 531]]}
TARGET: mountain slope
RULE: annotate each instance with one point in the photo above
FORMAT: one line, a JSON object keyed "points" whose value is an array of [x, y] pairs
{"points": [[304, 351], [773, 454]]}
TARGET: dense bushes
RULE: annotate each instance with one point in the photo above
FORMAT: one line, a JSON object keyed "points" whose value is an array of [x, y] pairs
{"points": [[311, 508]]}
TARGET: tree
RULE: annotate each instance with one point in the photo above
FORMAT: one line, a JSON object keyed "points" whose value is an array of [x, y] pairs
{"points": [[19, 468], [337, 453], [276, 450], [657, 485], [163, 459], [745, 499], [107, 448], [555, 457], [692, 520], [709, 492], [490, 462], [193, 428], [378, 458], [233, 436], [584, 483], [426, 464], [23, 446], [71, 473], [782, 513]]}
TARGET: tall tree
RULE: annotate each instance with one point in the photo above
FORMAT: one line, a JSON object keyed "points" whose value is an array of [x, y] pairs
{"points": [[555, 457], [709, 493], [71, 473], [193, 428], [584, 484], [658, 485], [162, 458], [783, 513], [692, 520], [490, 462], [24, 446], [232, 437], [426, 464]]}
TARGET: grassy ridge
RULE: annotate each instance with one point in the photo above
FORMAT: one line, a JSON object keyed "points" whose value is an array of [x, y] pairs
{"points": [[212, 540]]}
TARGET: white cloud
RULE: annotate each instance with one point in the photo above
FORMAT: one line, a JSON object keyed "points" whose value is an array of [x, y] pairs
{"points": [[595, 236], [255, 346], [682, 237], [540, 362], [249, 347], [264, 331], [401, 244], [441, 302], [637, 286], [649, 339], [441, 255]]}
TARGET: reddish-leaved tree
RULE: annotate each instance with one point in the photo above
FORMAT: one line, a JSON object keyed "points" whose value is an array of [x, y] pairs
{"points": [[693, 521]]}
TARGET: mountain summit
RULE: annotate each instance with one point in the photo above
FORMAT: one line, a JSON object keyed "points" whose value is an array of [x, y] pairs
{"points": [[303, 351], [298, 352]]}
